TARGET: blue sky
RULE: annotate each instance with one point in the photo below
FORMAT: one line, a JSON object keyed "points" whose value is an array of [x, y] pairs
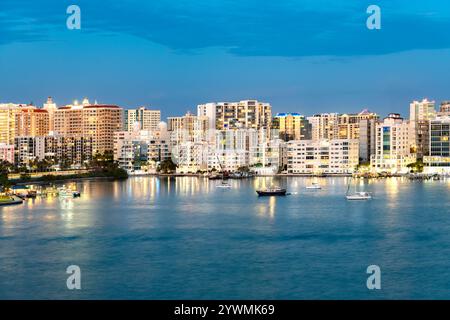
{"points": [[304, 56]]}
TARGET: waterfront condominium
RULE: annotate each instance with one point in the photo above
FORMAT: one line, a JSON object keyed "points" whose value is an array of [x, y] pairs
{"points": [[393, 150], [141, 150], [96, 121], [190, 140], [337, 156], [146, 119], [64, 151], [439, 159], [359, 126], [8, 113]]}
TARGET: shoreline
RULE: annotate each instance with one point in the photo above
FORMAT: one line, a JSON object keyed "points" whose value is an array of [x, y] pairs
{"points": [[59, 178]]}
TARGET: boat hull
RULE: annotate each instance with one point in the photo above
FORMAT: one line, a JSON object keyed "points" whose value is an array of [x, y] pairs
{"points": [[358, 198], [263, 193]]}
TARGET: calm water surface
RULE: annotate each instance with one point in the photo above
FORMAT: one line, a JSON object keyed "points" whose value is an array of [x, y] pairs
{"points": [[152, 238]]}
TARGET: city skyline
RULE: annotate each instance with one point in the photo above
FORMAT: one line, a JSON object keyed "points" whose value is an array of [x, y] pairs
{"points": [[193, 109], [308, 55]]}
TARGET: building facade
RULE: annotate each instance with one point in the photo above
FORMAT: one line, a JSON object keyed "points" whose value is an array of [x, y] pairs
{"points": [[420, 115], [291, 126], [98, 122], [140, 150], [338, 156], [8, 112], [394, 151], [438, 160], [32, 121], [249, 114], [146, 119]]}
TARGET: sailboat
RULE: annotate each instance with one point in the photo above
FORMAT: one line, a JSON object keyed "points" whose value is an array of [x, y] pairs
{"points": [[223, 184], [357, 195]]}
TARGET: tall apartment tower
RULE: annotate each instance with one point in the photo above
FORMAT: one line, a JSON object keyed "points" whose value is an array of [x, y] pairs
{"points": [[96, 121], [420, 115], [393, 145], [146, 119], [8, 112], [248, 114], [359, 126], [32, 122]]}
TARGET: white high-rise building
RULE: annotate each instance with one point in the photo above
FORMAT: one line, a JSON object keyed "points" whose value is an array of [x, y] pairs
{"points": [[146, 118], [141, 150], [338, 156], [394, 150]]}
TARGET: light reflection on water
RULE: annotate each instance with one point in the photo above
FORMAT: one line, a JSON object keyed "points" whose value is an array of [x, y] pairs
{"points": [[183, 238]]}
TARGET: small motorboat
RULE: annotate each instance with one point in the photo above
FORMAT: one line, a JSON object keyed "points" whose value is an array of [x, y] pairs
{"points": [[314, 186], [359, 196], [274, 191]]}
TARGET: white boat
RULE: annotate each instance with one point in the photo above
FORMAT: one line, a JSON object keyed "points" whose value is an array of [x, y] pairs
{"points": [[314, 186], [224, 185], [357, 195]]}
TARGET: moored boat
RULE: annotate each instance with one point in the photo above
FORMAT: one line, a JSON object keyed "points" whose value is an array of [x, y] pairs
{"points": [[275, 191], [314, 186], [359, 196]]}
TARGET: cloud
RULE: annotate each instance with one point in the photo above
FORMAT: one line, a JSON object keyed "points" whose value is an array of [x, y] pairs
{"points": [[289, 28]]}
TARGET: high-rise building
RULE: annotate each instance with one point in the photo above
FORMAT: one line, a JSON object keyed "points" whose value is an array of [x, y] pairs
{"points": [[68, 151], [291, 126], [422, 110], [338, 156], [32, 121], [189, 142], [146, 118], [249, 114], [359, 126], [96, 121], [420, 114], [8, 112], [28, 148], [140, 150], [233, 148], [438, 160], [188, 128], [393, 150]]}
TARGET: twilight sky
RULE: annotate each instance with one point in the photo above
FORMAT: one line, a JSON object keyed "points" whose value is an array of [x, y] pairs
{"points": [[304, 56]]}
